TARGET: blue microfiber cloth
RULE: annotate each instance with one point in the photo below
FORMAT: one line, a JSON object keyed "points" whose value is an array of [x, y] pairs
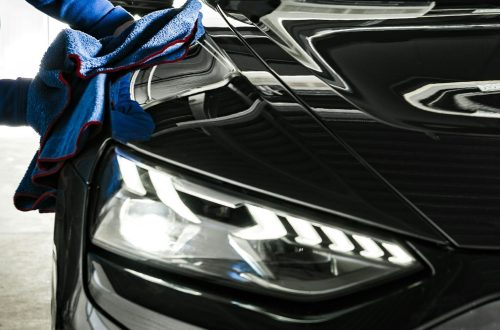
{"points": [[80, 76]]}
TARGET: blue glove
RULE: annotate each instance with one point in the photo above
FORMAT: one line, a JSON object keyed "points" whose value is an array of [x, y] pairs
{"points": [[99, 18], [129, 122]]}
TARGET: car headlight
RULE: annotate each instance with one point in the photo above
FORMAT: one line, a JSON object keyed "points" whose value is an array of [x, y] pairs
{"points": [[175, 222]]}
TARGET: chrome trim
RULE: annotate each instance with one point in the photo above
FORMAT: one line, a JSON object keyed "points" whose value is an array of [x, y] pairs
{"points": [[150, 81], [252, 112], [416, 97], [161, 282], [234, 118], [293, 10], [304, 10], [132, 84], [340, 83], [132, 315], [486, 11], [299, 82], [187, 93], [404, 28]]}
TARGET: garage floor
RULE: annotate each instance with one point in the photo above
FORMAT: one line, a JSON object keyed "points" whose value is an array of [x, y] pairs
{"points": [[25, 242]]}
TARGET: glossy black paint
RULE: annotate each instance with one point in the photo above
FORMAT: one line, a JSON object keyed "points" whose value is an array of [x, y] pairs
{"points": [[255, 118], [409, 304], [376, 64], [68, 241], [448, 176], [278, 149], [451, 178], [455, 279]]}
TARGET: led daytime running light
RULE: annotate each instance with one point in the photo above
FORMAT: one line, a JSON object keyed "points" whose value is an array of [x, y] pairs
{"points": [[269, 224]]}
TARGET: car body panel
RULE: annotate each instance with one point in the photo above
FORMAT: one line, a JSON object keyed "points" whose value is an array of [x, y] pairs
{"points": [[449, 177], [435, 70], [243, 113], [270, 144], [100, 290]]}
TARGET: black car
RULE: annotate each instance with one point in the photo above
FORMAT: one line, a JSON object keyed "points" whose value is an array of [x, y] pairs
{"points": [[317, 164]]}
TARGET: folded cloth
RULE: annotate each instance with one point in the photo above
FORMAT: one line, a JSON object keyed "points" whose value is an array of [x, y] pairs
{"points": [[80, 76]]}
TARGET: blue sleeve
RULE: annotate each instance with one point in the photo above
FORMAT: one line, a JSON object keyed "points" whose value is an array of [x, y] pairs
{"points": [[98, 18], [13, 98]]}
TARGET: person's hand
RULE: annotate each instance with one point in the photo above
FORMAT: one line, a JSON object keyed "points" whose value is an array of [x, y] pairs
{"points": [[123, 27]]}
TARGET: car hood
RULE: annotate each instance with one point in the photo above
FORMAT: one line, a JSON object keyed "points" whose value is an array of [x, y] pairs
{"points": [[213, 117], [411, 87], [249, 114]]}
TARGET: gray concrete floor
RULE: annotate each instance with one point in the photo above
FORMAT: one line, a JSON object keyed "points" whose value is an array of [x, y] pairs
{"points": [[25, 242]]}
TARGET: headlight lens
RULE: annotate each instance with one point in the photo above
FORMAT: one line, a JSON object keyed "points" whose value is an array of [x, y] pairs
{"points": [[156, 216]]}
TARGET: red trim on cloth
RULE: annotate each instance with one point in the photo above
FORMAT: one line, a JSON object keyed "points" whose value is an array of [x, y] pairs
{"points": [[38, 199], [126, 67], [77, 148], [78, 60], [48, 194], [39, 162]]}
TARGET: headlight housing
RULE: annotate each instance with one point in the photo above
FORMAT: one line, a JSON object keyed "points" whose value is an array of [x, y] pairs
{"points": [[168, 220]]}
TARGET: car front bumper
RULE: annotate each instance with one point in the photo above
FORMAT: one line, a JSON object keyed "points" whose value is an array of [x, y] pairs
{"points": [[97, 289]]}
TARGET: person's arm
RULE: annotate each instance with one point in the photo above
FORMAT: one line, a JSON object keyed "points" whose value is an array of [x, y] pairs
{"points": [[13, 98], [99, 18]]}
